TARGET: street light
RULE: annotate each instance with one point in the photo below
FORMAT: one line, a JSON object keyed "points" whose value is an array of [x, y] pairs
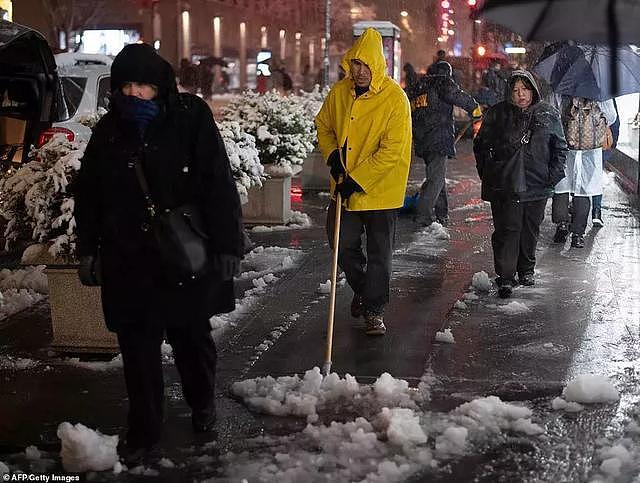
{"points": [[404, 13]]}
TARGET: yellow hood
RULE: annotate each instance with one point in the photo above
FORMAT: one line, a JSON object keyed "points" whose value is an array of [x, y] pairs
{"points": [[368, 49]]}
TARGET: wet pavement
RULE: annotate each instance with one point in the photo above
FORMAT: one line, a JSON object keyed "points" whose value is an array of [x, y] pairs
{"points": [[582, 316]]}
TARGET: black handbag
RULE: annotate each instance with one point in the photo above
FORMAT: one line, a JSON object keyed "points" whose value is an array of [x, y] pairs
{"points": [[180, 237]]}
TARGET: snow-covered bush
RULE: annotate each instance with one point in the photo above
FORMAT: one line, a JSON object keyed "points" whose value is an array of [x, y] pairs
{"points": [[312, 101], [34, 199], [283, 128], [243, 157], [35, 202]]}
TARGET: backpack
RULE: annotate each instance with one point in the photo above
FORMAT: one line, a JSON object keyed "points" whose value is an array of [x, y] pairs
{"points": [[584, 124]]}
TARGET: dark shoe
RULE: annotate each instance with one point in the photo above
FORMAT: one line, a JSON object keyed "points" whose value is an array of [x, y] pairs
{"points": [[443, 221], [562, 232], [203, 421], [527, 279], [375, 325], [577, 241], [133, 456], [596, 218], [505, 291], [357, 306]]}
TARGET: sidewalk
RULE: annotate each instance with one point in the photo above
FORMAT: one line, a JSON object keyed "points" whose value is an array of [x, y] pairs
{"points": [[583, 316]]}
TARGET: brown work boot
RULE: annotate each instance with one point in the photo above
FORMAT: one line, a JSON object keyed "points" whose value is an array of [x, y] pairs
{"points": [[374, 325]]}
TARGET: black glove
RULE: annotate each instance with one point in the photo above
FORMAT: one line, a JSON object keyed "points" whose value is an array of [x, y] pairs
{"points": [[347, 188], [90, 271], [337, 169], [227, 266]]}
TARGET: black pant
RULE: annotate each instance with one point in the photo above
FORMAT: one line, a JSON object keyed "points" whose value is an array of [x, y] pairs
{"points": [[195, 357], [579, 211], [514, 240], [368, 275], [434, 189]]}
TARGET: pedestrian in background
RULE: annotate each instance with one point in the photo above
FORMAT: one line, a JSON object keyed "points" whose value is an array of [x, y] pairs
{"points": [[175, 141], [585, 125], [432, 99], [520, 156], [596, 200], [364, 132]]}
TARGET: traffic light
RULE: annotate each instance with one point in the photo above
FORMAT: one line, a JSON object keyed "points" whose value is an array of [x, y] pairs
{"points": [[472, 3]]}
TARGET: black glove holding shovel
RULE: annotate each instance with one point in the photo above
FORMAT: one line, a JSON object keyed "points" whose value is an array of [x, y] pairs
{"points": [[346, 186]]}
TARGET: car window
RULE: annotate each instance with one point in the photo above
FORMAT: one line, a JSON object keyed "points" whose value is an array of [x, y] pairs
{"points": [[104, 89], [73, 88]]}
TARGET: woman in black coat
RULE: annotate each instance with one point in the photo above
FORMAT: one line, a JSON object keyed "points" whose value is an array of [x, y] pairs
{"points": [[175, 139], [520, 155]]}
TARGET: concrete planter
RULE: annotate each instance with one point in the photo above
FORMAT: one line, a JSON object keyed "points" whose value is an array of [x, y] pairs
{"points": [[271, 204], [315, 173], [76, 311], [76, 314]]}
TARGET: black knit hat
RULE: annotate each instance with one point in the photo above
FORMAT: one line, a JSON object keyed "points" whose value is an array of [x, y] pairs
{"points": [[141, 63]]}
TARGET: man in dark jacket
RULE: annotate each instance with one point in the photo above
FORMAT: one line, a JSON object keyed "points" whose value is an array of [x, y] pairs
{"points": [[175, 140], [432, 100], [520, 155]]}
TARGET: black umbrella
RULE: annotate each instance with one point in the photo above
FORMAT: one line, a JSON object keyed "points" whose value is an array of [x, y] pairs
{"points": [[591, 21], [583, 70], [610, 22]]}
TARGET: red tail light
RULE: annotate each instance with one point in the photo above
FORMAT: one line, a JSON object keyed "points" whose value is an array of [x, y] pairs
{"points": [[47, 134]]}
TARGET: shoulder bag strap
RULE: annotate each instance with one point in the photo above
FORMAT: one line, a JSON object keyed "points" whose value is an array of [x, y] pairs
{"points": [[151, 208]]}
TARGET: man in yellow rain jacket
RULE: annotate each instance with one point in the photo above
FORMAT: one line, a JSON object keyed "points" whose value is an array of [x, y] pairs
{"points": [[364, 132]]}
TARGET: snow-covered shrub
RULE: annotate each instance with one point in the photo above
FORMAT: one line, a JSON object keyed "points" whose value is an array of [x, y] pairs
{"points": [[243, 157], [284, 130], [34, 199], [312, 101]]}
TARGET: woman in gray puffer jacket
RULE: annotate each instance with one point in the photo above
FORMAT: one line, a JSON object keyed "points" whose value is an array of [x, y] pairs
{"points": [[520, 156]]}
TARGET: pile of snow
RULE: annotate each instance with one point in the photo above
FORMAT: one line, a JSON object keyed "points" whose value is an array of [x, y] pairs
{"points": [[388, 444], [436, 231], [493, 415], [291, 395], [452, 441], [514, 307], [84, 449], [480, 281], [446, 336], [325, 288], [470, 296], [17, 363], [559, 404], [590, 388], [460, 305], [14, 300], [98, 366], [32, 278], [618, 461], [297, 221]]}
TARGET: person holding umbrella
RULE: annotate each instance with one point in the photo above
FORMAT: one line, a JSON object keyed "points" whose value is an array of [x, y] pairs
{"points": [[364, 133], [520, 155]]}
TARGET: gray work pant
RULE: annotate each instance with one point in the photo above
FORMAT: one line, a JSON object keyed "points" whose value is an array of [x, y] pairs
{"points": [[367, 274], [433, 189], [577, 216]]}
